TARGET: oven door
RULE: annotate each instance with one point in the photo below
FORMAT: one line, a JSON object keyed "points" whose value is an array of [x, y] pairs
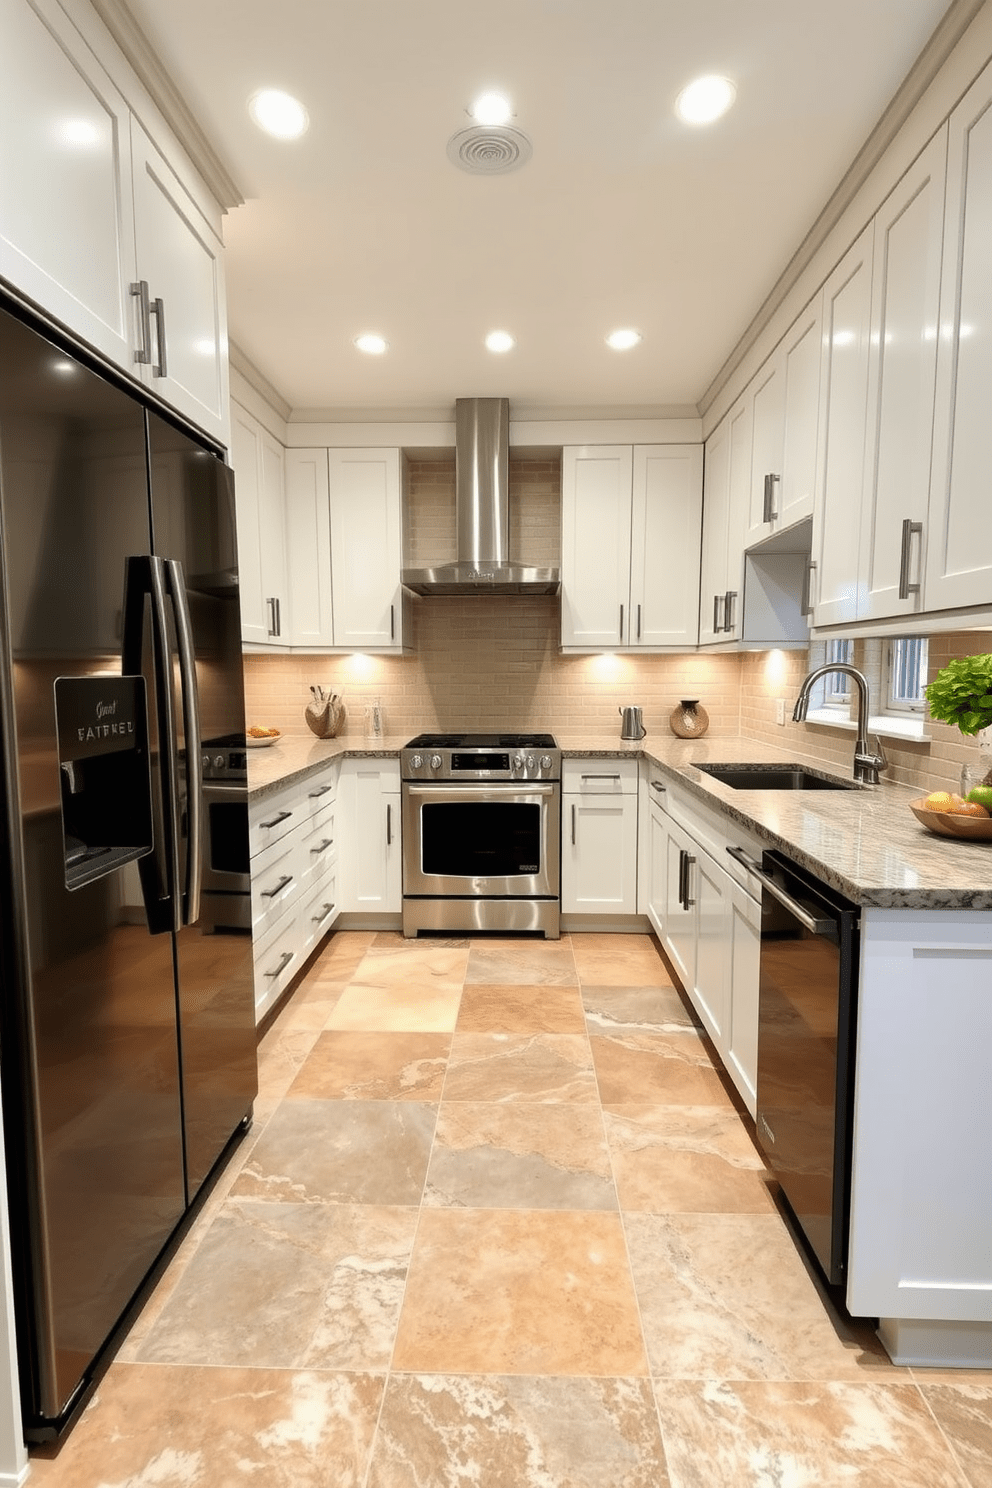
{"points": [[226, 855], [482, 841]]}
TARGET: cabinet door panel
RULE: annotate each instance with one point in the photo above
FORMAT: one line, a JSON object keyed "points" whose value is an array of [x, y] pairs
{"points": [[599, 855], [366, 547], [959, 556], [902, 370], [258, 463], [308, 548], [666, 533], [66, 230], [679, 935], [840, 463], [181, 258], [716, 504], [708, 887], [595, 548], [768, 432], [801, 372], [744, 924]]}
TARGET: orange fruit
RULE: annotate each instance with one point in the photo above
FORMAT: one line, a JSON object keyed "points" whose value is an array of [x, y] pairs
{"points": [[967, 808], [940, 801]]}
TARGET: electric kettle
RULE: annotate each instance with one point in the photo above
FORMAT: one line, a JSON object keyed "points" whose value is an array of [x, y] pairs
{"points": [[631, 727]]}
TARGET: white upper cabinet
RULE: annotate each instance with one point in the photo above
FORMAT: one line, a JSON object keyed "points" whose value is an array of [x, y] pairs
{"points": [[630, 546], [90, 209], [259, 488], [784, 404], [959, 553], [726, 486], [308, 548], [843, 411], [180, 267], [66, 229], [902, 366], [366, 548]]}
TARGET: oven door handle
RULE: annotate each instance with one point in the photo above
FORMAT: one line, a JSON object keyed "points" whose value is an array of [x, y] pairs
{"points": [[813, 925], [480, 791]]}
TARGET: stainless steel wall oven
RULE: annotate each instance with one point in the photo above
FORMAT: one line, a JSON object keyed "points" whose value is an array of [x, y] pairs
{"points": [[481, 833], [226, 895]]}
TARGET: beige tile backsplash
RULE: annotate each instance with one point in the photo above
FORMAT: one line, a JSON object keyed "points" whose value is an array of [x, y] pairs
{"points": [[487, 663]]}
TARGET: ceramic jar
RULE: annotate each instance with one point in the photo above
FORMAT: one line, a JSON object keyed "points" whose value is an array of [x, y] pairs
{"points": [[689, 720]]}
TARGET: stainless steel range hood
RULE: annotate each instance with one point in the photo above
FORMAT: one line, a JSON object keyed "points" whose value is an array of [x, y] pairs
{"points": [[482, 427]]}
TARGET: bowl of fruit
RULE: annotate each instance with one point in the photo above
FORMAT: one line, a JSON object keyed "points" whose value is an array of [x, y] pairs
{"points": [[949, 815], [259, 738]]}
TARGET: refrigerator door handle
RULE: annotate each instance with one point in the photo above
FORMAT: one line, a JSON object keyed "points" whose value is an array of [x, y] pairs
{"points": [[176, 583], [144, 577]]}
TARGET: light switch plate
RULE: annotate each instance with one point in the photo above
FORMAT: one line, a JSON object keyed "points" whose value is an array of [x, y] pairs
{"points": [[780, 711]]}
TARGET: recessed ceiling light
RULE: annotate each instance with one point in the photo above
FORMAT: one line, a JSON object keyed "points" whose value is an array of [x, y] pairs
{"points": [[499, 341], [491, 108], [279, 113], [372, 344], [623, 340], [705, 99]]}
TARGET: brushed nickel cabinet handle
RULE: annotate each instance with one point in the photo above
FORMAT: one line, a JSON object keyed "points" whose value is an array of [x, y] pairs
{"points": [[161, 369], [768, 511], [140, 292], [806, 602], [909, 527], [287, 956], [730, 609], [287, 878]]}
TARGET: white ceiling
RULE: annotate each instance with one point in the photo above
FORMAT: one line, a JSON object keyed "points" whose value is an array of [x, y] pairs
{"points": [[624, 216]]}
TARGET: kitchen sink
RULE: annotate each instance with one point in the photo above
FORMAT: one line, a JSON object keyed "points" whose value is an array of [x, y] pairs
{"points": [[775, 777]]}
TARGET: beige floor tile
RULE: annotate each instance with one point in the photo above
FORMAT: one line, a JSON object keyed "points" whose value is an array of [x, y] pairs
{"points": [[345, 1065], [619, 961], [519, 1292], [176, 1427], [519, 1157], [964, 1413], [520, 1067], [636, 1010], [341, 1152], [656, 1069], [421, 966], [727, 1296], [685, 1159], [521, 1009], [868, 1435], [497, 962], [414, 1009], [441, 1431], [291, 1286], [280, 1056]]}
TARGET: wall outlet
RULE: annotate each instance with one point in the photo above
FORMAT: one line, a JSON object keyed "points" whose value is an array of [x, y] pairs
{"points": [[780, 711]]}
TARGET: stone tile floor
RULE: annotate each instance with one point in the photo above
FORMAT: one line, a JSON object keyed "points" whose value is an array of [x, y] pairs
{"points": [[499, 1225]]}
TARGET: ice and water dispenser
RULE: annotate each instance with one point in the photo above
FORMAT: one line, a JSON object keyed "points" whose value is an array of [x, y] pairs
{"points": [[104, 770]]}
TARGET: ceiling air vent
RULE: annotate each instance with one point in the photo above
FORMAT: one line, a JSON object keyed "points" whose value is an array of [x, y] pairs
{"points": [[489, 149]]}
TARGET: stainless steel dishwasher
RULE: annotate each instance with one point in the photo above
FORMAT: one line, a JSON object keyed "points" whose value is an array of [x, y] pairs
{"points": [[807, 1007]]}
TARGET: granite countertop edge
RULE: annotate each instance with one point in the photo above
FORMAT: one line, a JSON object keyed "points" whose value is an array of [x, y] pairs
{"points": [[865, 843]]}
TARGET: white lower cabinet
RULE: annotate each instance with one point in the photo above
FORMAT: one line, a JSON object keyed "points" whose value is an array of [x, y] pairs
{"points": [[599, 837], [709, 922], [293, 835], [372, 867]]}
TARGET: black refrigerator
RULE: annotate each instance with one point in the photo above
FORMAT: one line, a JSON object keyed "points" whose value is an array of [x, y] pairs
{"points": [[127, 1038]]}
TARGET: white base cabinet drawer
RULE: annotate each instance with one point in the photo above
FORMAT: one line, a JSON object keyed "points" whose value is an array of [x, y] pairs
{"points": [[275, 883], [278, 957]]}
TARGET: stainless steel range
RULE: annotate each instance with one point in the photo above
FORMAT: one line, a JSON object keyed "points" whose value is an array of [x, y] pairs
{"points": [[481, 833]]}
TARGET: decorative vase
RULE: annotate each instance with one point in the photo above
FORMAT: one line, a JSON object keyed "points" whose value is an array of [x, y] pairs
{"points": [[689, 720], [978, 770]]}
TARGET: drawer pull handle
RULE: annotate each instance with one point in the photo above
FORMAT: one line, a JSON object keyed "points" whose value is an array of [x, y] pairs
{"points": [[600, 777], [657, 785], [271, 893], [325, 910], [320, 791], [283, 816], [323, 846], [287, 956]]}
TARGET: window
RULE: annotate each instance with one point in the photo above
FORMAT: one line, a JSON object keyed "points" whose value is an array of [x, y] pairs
{"points": [[907, 662], [837, 686]]}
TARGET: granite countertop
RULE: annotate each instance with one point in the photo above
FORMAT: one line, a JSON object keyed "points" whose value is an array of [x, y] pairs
{"points": [[865, 842]]}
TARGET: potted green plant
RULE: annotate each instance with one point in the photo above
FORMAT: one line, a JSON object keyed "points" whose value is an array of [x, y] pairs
{"points": [[961, 694]]}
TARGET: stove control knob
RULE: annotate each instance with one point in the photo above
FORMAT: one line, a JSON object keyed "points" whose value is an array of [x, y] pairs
{"points": [[518, 761], [417, 762], [219, 762], [205, 762], [435, 762], [545, 762], [530, 762]]}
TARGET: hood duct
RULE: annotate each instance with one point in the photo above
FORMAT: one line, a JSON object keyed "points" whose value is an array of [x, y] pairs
{"points": [[482, 505]]}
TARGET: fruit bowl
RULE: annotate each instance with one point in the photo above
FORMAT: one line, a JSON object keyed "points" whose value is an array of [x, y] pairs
{"points": [[262, 741], [949, 824]]}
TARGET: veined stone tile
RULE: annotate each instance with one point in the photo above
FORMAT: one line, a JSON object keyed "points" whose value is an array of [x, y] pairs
{"points": [[521, 1008], [636, 1010], [292, 1286], [519, 1157], [351, 1065], [341, 1152], [685, 1159], [656, 1069], [497, 963], [280, 1055], [411, 1007], [519, 1292], [761, 1435], [522, 1432], [964, 1413], [429, 967], [188, 1428], [604, 960], [520, 1067], [727, 1296]]}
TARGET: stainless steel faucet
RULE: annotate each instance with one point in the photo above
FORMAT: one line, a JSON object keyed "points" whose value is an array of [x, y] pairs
{"points": [[866, 764]]}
